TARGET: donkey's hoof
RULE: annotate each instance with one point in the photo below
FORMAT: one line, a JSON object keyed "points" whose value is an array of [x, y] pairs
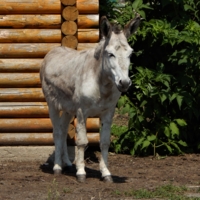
{"points": [[107, 179], [81, 178], [57, 172]]}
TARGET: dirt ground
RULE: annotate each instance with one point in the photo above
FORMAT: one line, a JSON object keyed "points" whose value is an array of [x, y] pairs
{"points": [[35, 180]]}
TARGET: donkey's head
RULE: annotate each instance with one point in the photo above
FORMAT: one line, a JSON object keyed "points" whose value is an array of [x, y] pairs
{"points": [[117, 52]]}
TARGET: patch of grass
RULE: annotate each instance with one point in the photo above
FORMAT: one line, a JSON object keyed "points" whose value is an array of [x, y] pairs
{"points": [[67, 190], [168, 192], [53, 193]]}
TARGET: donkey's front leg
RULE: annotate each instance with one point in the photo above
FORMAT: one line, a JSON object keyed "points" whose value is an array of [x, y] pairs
{"points": [[106, 121], [81, 143]]}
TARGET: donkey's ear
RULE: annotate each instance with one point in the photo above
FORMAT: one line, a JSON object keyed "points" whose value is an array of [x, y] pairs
{"points": [[132, 26], [105, 27]]}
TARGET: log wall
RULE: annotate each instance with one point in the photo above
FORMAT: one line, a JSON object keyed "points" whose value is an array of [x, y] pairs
{"points": [[28, 30], [81, 21]]}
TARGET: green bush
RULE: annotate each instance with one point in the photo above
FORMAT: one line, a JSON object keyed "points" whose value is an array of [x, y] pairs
{"points": [[163, 102]]}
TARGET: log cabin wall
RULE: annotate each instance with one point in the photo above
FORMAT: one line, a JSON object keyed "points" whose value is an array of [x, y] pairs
{"points": [[28, 30]]}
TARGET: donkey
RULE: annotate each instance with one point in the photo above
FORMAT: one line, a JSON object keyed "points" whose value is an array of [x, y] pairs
{"points": [[84, 84]]}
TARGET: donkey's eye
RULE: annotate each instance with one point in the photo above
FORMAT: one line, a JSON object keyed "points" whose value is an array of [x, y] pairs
{"points": [[111, 55]]}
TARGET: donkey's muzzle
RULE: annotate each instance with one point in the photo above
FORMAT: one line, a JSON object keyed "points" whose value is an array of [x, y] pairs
{"points": [[124, 84]]}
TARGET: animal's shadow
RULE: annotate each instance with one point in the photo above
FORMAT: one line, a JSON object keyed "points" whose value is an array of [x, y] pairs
{"points": [[47, 167]]}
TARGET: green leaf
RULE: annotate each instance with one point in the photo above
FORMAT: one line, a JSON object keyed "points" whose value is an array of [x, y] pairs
{"points": [[172, 97], [132, 151], [117, 148], [126, 109], [151, 138], [163, 97], [143, 103], [179, 100], [174, 129], [146, 6], [188, 7], [141, 118], [169, 148], [181, 122], [145, 144], [167, 131], [136, 4], [139, 96], [139, 142], [182, 61], [121, 101], [176, 147], [142, 13], [182, 143]]}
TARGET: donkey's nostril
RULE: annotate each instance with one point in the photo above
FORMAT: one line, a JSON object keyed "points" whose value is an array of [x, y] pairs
{"points": [[125, 83]]}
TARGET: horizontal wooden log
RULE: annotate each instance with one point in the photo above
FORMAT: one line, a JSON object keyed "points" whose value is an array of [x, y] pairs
{"points": [[21, 95], [93, 138], [39, 139], [92, 124], [30, 35], [85, 46], [26, 50], [41, 125], [89, 7], [26, 139], [29, 125], [69, 28], [25, 124], [47, 35], [46, 21], [88, 35], [70, 41], [68, 2], [88, 21], [17, 80], [20, 65], [30, 7], [31, 21], [23, 110], [70, 13]]}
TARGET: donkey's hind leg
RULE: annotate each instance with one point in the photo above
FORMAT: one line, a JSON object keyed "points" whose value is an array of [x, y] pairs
{"points": [[59, 137], [65, 120]]}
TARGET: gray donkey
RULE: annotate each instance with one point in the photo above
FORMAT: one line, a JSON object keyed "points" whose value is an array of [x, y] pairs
{"points": [[85, 84]]}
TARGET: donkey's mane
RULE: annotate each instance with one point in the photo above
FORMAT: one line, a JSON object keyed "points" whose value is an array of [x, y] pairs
{"points": [[116, 28]]}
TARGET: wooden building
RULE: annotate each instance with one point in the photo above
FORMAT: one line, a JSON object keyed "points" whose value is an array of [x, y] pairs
{"points": [[28, 30]]}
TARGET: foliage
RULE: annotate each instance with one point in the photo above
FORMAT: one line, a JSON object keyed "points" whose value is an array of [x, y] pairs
{"points": [[163, 102]]}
